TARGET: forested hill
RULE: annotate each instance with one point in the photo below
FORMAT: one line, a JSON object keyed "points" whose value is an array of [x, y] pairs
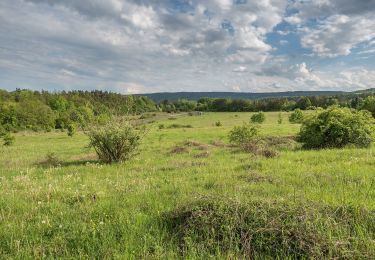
{"points": [[157, 97]]}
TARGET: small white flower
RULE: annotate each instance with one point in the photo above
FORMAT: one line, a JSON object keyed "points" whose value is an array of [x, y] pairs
{"points": [[43, 222], [39, 202], [60, 226], [101, 223]]}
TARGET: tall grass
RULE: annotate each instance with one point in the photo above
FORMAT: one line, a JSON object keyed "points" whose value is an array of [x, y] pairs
{"points": [[301, 203]]}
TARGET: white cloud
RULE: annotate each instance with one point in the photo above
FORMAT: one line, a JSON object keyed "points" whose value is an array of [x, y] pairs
{"points": [[338, 34], [240, 69], [283, 42], [341, 25], [150, 45], [129, 88], [293, 19]]}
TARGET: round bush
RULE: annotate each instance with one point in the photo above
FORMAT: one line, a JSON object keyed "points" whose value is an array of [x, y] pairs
{"points": [[8, 139], [296, 117], [71, 130], [258, 118], [115, 142], [240, 135], [337, 127]]}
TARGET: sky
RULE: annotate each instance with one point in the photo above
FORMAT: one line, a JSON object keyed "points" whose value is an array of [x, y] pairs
{"points": [[146, 46]]}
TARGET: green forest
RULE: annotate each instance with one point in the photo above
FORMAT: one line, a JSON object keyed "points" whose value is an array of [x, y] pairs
{"points": [[45, 111]]}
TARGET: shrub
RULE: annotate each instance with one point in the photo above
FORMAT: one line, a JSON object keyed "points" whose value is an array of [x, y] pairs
{"points": [[240, 135], [115, 141], [279, 119], [161, 126], [71, 130], [337, 127], [179, 126], [218, 123], [258, 117], [51, 160], [296, 117], [235, 229], [369, 104], [259, 150], [8, 139]]}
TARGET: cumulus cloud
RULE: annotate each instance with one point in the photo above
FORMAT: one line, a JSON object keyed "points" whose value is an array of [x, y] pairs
{"points": [[338, 34], [240, 69], [134, 46], [340, 25]]}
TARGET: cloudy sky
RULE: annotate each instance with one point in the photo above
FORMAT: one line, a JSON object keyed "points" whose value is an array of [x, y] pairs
{"points": [[139, 46]]}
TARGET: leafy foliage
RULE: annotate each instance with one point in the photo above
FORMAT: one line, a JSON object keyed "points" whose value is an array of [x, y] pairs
{"points": [[296, 116], [44, 111], [279, 119], [243, 103], [369, 104], [8, 139], [258, 117], [115, 141], [71, 130], [337, 127], [50, 160], [240, 135]]}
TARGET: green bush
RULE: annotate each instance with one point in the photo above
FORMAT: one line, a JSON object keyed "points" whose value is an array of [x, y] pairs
{"points": [[115, 141], [8, 139], [179, 126], [258, 117], [240, 135], [337, 127], [71, 130], [280, 119], [369, 104], [50, 160], [218, 123], [296, 117]]}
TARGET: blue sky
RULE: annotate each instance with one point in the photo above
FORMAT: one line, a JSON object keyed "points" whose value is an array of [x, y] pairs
{"points": [[142, 46]]}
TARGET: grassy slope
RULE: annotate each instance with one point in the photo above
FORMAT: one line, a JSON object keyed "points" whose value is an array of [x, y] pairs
{"points": [[90, 210]]}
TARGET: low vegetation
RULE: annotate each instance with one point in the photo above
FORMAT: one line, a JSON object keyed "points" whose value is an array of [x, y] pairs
{"points": [[270, 229], [8, 139], [296, 117], [179, 126], [50, 160], [258, 117], [337, 127], [238, 191], [71, 129], [244, 134], [116, 141]]}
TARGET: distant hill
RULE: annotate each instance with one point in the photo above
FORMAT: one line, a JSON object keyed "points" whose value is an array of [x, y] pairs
{"points": [[365, 91], [157, 97]]}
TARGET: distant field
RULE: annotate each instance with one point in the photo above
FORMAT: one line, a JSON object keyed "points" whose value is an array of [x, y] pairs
{"points": [[301, 203]]}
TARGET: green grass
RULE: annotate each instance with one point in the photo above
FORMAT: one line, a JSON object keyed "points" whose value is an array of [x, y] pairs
{"points": [[160, 204]]}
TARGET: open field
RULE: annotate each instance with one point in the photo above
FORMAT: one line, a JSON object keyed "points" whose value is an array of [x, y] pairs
{"points": [[187, 194]]}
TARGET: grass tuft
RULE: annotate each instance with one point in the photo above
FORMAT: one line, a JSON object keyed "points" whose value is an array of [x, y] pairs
{"points": [[50, 160], [215, 226]]}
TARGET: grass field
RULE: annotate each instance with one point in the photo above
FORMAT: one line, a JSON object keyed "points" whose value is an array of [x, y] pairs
{"points": [[187, 195]]}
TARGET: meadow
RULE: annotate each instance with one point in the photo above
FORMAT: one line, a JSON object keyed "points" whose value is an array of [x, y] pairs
{"points": [[188, 194]]}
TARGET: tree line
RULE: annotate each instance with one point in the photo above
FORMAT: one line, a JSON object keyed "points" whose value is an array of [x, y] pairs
{"points": [[34, 110], [356, 101], [42, 110]]}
